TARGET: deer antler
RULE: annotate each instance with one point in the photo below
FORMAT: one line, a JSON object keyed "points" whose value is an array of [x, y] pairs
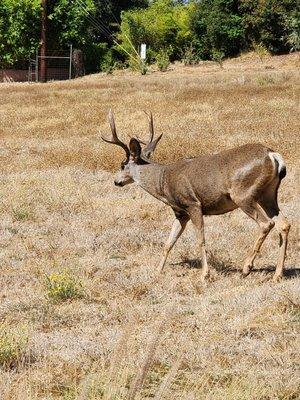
{"points": [[151, 126], [151, 145], [115, 140]]}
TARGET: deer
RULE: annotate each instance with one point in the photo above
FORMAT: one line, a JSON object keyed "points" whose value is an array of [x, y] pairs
{"points": [[245, 177]]}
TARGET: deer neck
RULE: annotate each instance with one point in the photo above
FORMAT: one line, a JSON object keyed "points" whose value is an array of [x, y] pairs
{"points": [[150, 178]]}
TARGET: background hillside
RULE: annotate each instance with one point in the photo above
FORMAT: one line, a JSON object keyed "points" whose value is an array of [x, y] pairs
{"points": [[83, 313]]}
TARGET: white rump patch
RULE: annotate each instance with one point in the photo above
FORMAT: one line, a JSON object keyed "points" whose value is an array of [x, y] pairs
{"points": [[276, 156], [246, 169]]}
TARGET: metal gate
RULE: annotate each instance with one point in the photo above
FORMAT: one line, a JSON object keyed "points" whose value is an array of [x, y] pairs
{"points": [[58, 65]]}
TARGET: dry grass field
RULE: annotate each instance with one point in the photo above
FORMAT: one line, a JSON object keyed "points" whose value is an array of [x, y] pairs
{"points": [[83, 313]]}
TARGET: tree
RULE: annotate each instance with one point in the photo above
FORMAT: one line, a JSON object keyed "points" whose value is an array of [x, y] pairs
{"points": [[19, 30], [69, 22], [217, 26], [265, 22], [109, 12]]}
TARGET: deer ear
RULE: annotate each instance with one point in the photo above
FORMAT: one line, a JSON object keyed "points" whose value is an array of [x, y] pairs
{"points": [[135, 148]]}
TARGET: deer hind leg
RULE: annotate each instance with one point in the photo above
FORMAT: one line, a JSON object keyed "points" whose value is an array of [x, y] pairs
{"points": [[270, 205], [196, 216], [265, 223], [283, 226], [177, 228]]}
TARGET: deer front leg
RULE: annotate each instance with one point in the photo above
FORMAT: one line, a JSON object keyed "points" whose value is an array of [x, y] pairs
{"points": [[177, 228], [196, 216]]}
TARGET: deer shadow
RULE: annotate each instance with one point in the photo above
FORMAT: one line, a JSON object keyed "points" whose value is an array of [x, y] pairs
{"points": [[227, 269]]}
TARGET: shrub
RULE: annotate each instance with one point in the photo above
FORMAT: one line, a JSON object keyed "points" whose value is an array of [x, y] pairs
{"points": [[218, 57], [108, 63], [19, 30], [189, 55], [13, 344], [137, 64], [217, 25], [99, 57], [292, 28], [265, 22], [163, 60], [63, 286], [261, 51]]}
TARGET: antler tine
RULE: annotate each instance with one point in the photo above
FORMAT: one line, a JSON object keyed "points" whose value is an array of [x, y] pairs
{"points": [[151, 130], [151, 145], [115, 139], [151, 126]]}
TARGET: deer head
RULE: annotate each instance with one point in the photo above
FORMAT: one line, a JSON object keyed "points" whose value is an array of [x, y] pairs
{"points": [[135, 154]]}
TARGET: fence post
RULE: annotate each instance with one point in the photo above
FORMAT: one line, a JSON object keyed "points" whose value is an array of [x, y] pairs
{"points": [[70, 65]]}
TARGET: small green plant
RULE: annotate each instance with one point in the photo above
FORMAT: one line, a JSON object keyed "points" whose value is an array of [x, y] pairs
{"points": [[137, 64], [143, 67], [261, 51], [163, 60], [108, 63], [63, 286], [218, 57], [189, 55], [265, 80], [21, 214], [13, 344]]}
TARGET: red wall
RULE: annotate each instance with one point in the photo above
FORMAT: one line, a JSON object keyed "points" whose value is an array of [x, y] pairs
{"points": [[13, 75]]}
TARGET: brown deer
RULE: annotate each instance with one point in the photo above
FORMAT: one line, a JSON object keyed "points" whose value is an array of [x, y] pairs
{"points": [[245, 177]]}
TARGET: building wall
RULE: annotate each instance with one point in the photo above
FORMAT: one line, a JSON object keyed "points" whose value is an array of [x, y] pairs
{"points": [[19, 75], [13, 75]]}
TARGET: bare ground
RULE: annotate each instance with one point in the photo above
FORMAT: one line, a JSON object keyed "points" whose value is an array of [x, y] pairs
{"points": [[134, 334]]}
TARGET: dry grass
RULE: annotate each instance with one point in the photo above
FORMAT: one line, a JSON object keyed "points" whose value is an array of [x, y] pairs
{"points": [[134, 334]]}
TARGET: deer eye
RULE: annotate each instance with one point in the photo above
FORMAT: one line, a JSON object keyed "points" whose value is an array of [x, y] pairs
{"points": [[122, 167]]}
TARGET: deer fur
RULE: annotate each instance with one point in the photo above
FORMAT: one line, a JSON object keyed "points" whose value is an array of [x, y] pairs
{"points": [[245, 177]]}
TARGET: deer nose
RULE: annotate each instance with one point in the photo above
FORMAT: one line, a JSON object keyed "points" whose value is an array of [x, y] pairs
{"points": [[118, 183]]}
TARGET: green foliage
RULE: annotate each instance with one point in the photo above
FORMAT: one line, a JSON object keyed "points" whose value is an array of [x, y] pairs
{"points": [[13, 343], [217, 27], [265, 22], [22, 213], [231, 26], [100, 57], [163, 59], [63, 286], [193, 30], [68, 22], [137, 64], [189, 55], [292, 31], [261, 50], [20, 25], [161, 25], [217, 56], [19, 30], [265, 80], [109, 12]]}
